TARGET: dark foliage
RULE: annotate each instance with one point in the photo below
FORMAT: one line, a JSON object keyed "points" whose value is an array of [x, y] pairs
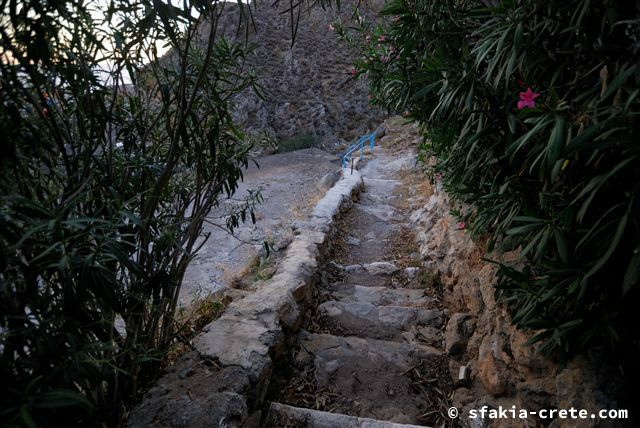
{"points": [[112, 156]]}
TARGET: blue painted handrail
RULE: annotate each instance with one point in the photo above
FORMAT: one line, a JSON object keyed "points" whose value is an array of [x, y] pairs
{"points": [[347, 155]]}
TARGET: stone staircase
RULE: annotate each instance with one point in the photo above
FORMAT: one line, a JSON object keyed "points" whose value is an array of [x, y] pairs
{"points": [[369, 351]]}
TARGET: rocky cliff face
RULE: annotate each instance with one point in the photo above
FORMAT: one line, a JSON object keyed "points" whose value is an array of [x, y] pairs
{"points": [[309, 86]]}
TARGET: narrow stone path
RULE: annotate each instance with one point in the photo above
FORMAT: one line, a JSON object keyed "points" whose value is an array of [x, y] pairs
{"points": [[369, 354], [289, 187]]}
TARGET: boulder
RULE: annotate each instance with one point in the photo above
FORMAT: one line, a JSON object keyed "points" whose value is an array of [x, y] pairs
{"points": [[457, 333], [492, 371], [381, 268]]}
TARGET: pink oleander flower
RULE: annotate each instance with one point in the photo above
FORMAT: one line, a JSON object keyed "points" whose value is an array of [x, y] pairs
{"points": [[527, 99], [354, 71], [382, 38], [331, 28], [461, 225]]}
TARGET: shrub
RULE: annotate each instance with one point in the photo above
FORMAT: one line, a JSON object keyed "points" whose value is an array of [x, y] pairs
{"points": [[111, 159], [300, 141], [556, 175]]}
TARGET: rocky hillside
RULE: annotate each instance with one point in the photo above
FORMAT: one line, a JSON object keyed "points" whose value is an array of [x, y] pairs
{"points": [[309, 87]]}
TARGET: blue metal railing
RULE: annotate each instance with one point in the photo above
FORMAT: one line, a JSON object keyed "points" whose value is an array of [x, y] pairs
{"points": [[348, 154]]}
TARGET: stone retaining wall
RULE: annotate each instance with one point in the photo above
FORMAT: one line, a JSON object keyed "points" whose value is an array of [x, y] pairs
{"points": [[504, 370], [224, 382]]}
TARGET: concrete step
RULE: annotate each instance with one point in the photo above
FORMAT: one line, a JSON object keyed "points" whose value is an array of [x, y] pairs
{"points": [[281, 415], [363, 319], [370, 376]]}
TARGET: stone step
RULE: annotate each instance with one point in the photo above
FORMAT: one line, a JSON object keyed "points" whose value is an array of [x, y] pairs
{"points": [[373, 268], [379, 274], [380, 212], [380, 296], [364, 319], [373, 198], [369, 376], [281, 415], [379, 186]]}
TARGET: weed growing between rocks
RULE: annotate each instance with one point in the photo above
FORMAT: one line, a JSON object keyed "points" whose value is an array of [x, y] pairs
{"points": [[191, 319], [260, 268]]}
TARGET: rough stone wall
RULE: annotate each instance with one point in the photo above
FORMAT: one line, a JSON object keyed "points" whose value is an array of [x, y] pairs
{"points": [[308, 85], [504, 371]]}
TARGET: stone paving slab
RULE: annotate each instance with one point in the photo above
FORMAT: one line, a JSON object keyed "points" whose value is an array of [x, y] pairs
{"points": [[327, 347], [380, 296], [364, 319], [282, 415], [381, 212]]}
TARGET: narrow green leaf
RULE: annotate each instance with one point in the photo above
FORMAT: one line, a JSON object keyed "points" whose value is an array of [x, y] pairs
{"points": [[620, 78], [528, 218], [523, 229], [522, 141], [26, 418], [511, 65], [518, 37], [511, 121], [555, 146], [632, 276], [62, 398], [612, 247], [561, 244]]}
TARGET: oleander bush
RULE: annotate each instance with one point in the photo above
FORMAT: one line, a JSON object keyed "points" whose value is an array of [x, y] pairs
{"points": [[111, 155], [531, 111], [300, 141]]}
